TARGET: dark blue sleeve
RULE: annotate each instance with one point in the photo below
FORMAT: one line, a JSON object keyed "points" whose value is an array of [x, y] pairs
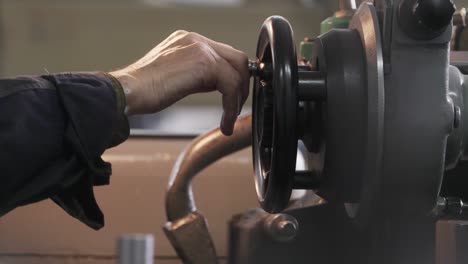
{"points": [[53, 131]]}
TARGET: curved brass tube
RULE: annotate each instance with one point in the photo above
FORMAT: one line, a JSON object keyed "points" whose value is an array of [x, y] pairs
{"points": [[187, 229], [202, 152]]}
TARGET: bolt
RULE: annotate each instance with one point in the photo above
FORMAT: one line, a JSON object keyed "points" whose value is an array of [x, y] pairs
{"points": [[452, 205], [253, 68], [281, 227], [287, 228], [456, 205], [441, 204]]}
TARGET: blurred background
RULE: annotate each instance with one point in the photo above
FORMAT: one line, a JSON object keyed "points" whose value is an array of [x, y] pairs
{"points": [[86, 35], [42, 36]]}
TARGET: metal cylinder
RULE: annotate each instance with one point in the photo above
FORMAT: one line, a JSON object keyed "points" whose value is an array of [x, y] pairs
{"points": [[136, 249], [347, 4], [312, 86]]}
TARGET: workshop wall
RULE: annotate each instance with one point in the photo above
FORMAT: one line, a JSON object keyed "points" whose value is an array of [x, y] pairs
{"points": [[53, 36], [70, 35]]}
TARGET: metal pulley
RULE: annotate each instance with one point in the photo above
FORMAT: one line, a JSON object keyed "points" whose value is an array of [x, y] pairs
{"points": [[334, 105], [382, 144]]}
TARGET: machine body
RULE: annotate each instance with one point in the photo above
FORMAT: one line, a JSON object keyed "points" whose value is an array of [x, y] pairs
{"points": [[379, 112]]}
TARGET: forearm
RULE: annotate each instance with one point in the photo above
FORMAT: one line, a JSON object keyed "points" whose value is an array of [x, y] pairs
{"points": [[53, 130]]}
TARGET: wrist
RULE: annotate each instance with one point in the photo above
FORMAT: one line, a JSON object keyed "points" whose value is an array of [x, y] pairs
{"points": [[127, 84]]}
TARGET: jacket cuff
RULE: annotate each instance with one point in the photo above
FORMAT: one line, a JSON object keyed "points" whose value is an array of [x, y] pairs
{"points": [[87, 136], [122, 129]]}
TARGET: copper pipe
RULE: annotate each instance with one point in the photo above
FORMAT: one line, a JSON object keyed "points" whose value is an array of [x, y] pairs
{"points": [[201, 153]]}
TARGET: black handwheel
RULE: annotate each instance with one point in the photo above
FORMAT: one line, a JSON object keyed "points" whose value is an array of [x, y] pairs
{"points": [[275, 115]]}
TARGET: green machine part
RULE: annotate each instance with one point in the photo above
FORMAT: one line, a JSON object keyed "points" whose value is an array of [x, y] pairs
{"points": [[306, 50], [340, 19]]}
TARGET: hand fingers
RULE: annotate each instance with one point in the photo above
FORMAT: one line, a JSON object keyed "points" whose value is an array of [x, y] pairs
{"points": [[228, 72], [236, 58], [228, 84]]}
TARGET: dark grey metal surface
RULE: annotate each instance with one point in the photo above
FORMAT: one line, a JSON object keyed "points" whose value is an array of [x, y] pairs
{"points": [[425, 19], [390, 135], [255, 238], [457, 140], [418, 119], [409, 115], [312, 86], [455, 182], [346, 116], [366, 23]]}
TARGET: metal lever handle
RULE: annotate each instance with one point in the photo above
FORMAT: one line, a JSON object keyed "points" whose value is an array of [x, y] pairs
{"points": [[187, 229]]}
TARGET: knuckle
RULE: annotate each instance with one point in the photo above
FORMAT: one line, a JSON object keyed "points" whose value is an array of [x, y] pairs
{"points": [[178, 33], [244, 57], [202, 47], [206, 53], [195, 35], [192, 36], [205, 63], [236, 78]]}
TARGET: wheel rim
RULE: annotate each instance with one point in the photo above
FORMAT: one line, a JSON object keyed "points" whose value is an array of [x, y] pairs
{"points": [[275, 115]]}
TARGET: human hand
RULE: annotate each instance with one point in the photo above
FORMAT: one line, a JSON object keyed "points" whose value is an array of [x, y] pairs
{"points": [[183, 64]]}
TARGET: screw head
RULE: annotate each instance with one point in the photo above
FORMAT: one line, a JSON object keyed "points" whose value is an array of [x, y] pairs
{"points": [[287, 229], [281, 227]]}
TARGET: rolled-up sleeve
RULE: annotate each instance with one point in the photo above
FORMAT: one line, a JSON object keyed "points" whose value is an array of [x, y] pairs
{"points": [[53, 131]]}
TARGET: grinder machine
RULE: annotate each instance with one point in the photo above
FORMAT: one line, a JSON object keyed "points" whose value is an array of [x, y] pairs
{"points": [[377, 111]]}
